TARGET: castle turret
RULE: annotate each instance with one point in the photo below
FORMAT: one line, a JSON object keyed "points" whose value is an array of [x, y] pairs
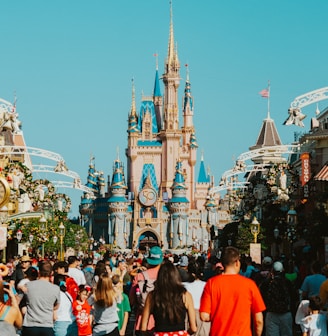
{"points": [[179, 206], [119, 229]]}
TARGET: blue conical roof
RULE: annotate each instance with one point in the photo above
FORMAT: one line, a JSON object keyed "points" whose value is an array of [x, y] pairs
{"points": [[118, 181], [203, 176], [179, 180], [157, 89]]}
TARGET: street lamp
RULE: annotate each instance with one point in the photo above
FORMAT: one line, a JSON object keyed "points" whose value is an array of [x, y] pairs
{"points": [[276, 233], [255, 229], [3, 221], [276, 236], [291, 216], [43, 228], [19, 235], [291, 227], [91, 244], [55, 239], [61, 236]]}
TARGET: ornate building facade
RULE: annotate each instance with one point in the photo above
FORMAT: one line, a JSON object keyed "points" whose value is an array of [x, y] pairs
{"points": [[159, 200]]}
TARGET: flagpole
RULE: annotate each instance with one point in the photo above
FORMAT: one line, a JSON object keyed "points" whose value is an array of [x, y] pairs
{"points": [[269, 100]]}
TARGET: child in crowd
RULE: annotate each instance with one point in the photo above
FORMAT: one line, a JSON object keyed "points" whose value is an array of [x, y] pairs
{"points": [[315, 324], [123, 304], [81, 311]]}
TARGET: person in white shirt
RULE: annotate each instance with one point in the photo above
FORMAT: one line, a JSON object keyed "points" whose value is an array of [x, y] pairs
{"points": [[74, 271], [195, 287], [65, 323]]}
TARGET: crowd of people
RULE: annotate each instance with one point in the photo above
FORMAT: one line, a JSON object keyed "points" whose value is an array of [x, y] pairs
{"points": [[159, 294]]}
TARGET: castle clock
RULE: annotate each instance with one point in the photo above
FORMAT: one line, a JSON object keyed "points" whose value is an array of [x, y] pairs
{"points": [[148, 196]]}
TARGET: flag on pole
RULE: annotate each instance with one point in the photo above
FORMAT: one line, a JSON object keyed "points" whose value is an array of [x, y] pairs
{"points": [[264, 93]]}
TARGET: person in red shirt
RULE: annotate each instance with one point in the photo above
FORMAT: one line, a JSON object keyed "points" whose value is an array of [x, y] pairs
{"points": [[81, 310], [230, 299]]}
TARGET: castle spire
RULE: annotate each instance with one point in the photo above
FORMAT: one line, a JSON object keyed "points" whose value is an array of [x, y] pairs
{"points": [[157, 88], [203, 177], [170, 55], [133, 119], [171, 79], [172, 62], [188, 103]]}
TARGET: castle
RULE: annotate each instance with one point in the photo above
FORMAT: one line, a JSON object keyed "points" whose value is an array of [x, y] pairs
{"points": [[160, 200]]}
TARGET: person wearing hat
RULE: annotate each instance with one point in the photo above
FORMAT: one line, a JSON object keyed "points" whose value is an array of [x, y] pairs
{"points": [[264, 272], [183, 268], [21, 268], [148, 277], [277, 293]]}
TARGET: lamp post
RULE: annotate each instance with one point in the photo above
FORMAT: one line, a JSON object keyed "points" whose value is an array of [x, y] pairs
{"points": [[255, 229], [3, 221], [43, 228], [19, 235], [61, 236], [55, 239], [91, 244], [291, 227], [276, 236]]}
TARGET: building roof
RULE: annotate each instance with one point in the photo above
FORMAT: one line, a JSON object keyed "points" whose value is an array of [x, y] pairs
{"points": [[268, 135]]}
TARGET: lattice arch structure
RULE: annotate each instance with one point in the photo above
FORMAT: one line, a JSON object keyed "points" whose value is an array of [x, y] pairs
{"points": [[230, 178]]}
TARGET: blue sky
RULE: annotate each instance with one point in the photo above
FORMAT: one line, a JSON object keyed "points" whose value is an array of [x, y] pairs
{"points": [[71, 63]]}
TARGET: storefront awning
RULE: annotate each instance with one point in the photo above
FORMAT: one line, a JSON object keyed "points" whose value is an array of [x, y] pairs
{"points": [[323, 174]]}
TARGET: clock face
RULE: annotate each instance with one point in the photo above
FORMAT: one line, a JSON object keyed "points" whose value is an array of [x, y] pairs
{"points": [[148, 196], [4, 191]]}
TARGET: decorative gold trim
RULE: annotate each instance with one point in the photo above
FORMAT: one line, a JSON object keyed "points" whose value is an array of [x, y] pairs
{"points": [[6, 196]]}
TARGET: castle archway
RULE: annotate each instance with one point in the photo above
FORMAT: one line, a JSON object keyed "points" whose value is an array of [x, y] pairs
{"points": [[147, 239]]}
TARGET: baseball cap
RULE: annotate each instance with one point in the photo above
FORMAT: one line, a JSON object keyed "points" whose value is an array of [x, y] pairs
{"points": [[184, 261], [155, 256], [267, 260], [278, 266]]}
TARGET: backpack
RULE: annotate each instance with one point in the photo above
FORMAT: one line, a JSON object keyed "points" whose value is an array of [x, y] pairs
{"points": [[276, 294], [72, 287], [88, 274], [145, 286]]}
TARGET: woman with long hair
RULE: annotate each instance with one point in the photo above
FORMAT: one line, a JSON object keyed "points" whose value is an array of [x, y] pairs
{"points": [[169, 303], [103, 302], [9, 313]]}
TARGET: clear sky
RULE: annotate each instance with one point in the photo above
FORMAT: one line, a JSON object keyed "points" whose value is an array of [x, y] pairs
{"points": [[70, 63]]}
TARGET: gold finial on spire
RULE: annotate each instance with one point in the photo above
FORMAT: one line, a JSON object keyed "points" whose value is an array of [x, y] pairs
{"points": [[92, 159], [156, 56], [118, 153], [133, 104], [170, 56], [187, 72]]}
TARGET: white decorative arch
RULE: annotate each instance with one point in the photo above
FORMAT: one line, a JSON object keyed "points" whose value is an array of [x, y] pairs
{"points": [[229, 179]]}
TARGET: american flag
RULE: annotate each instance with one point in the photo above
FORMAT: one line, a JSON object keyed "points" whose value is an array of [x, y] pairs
{"points": [[264, 93]]}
